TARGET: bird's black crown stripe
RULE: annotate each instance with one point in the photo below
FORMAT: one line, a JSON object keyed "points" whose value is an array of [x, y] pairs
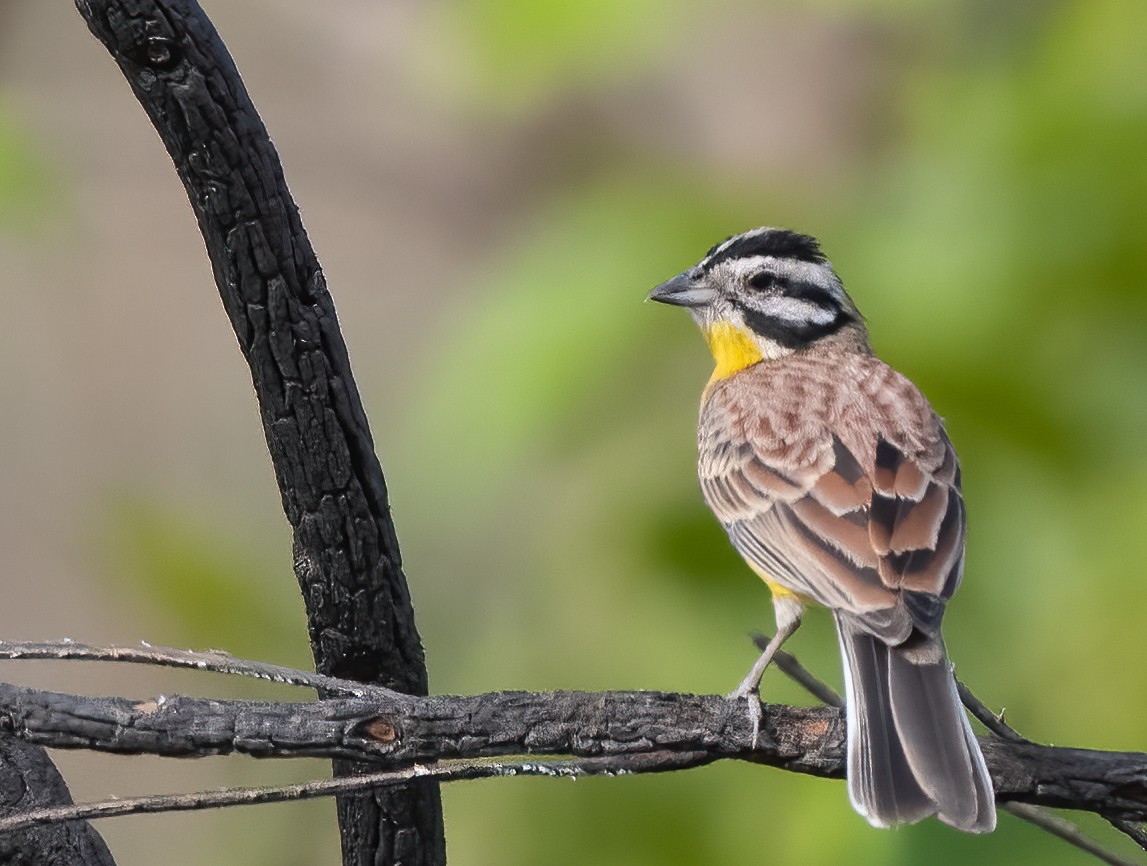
{"points": [[781, 243]]}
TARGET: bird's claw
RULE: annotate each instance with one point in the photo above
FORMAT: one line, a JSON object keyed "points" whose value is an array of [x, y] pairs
{"points": [[756, 715]]}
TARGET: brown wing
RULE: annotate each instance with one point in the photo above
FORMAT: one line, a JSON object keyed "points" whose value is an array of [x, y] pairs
{"points": [[917, 526], [875, 529]]}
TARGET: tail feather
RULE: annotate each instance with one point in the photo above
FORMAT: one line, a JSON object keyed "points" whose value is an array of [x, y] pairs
{"points": [[911, 750], [881, 784]]}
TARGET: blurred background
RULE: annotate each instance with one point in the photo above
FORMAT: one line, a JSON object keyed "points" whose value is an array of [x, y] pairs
{"points": [[492, 186]]}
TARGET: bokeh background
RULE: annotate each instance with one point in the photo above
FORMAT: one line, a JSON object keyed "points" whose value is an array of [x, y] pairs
{"points": [[492, 186]]}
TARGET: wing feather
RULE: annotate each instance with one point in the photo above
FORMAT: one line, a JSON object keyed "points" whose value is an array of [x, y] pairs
{"points": [[873, 526]]}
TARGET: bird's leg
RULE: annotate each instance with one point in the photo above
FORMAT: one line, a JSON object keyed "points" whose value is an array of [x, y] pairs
{"points": [[788, 609], [788, 612], [751, 684]]}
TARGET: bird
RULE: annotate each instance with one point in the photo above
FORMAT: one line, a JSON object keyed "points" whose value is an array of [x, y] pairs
{"points": [[837, 483]]}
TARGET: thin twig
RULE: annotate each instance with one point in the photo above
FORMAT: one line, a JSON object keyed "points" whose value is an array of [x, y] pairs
{"points": [[215, 661], [799, 674], [1035, 815], [1038, 815], [446, 771], [1066, 831], [990, 720]]}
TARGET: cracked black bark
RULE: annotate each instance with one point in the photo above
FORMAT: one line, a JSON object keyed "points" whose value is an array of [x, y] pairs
{"points": [[389, 730], [346, 554], [29, 781]]}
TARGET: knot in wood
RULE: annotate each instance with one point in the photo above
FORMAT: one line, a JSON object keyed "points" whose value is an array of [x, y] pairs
{"points": [[160, 52], [381, 730]]}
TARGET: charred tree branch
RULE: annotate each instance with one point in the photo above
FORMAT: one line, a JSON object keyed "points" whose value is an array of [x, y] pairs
{"points": [[390, 730], [347, 561]]}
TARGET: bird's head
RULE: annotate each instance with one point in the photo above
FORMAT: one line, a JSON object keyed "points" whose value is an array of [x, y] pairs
{"points": [[763, 294]]}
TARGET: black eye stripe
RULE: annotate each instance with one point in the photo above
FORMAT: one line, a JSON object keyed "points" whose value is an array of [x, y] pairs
{"points": [[801, 290], [813, 293]]}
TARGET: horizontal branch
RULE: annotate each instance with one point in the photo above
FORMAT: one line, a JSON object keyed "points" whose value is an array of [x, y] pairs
{"points": [[392, 729]]}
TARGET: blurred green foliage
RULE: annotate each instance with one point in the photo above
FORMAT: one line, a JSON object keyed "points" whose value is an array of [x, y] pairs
{"points": [[545, 481], [27, 192], [515, 55], [206, 583], [543, 471]]}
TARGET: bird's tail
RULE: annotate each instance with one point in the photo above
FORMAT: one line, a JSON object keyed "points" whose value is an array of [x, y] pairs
{"points": [[911, 751]]}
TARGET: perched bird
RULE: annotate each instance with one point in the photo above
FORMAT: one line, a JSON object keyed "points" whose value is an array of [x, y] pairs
{"points": [[835, 480]]}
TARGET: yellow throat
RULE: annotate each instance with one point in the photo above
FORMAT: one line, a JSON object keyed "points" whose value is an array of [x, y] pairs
{"points": [[732, 349]]}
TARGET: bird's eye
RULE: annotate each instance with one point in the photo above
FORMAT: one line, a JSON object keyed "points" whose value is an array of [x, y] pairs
{"points": [[763, 280]]}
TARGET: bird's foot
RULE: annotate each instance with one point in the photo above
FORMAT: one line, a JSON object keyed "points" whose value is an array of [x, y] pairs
{"points": [[749, 691]]}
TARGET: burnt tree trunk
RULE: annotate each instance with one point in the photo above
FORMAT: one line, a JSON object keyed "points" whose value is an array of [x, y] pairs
{"points": [[346, 554], [29, 780]]}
